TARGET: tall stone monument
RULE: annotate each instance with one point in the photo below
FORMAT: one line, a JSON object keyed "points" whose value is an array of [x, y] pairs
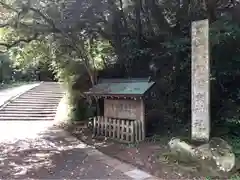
{"points": [[200, 81]]}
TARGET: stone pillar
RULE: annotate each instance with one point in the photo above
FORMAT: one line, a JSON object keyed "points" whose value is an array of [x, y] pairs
{"points": [[200, 81]]}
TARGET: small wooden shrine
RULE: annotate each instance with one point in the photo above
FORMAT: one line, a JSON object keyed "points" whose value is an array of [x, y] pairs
{"points": [[123, 107]]}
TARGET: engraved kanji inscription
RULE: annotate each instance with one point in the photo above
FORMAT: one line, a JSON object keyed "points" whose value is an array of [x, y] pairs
{"points": [[200, 81]]}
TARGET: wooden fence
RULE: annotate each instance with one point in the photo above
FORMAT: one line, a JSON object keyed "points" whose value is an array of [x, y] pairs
{"points": [[124, 130]]}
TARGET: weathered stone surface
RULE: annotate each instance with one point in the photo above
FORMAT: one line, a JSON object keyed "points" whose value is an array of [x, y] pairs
{"points": [[216, 156], [181, 150], [224, 156], [200, 81]]}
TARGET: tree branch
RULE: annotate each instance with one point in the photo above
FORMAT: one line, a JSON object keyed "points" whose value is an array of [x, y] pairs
{"points": [[15, 43], [6, 6], [78, 49], [51, 23], [48, 20], [4, 25]]}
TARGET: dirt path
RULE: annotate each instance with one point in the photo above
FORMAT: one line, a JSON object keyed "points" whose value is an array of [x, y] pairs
{"points": [[51, 156]]}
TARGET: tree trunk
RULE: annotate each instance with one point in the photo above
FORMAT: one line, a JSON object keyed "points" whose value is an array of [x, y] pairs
{"points": [[138, 21]]}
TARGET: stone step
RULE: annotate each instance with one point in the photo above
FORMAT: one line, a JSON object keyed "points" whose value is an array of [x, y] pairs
{"points": [[49, 91], [43, 94], [19, 109], [33, 103], [46, 91], [26, 118], [40, 95], [37, 104], [43, 106], [51, 83], [49, 96], [41, 101], [20, 115], [47, 88], [50, 86], [38, 98], [26, 111], [29, 108]]}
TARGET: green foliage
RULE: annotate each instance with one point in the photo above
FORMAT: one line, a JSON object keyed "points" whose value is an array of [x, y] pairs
{"points": [[5, 69], [235, 142], [235, 177], [75, 41], [79, 107]]}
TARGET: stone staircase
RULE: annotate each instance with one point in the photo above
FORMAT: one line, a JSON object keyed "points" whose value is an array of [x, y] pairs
{"points": [[39, 103]]}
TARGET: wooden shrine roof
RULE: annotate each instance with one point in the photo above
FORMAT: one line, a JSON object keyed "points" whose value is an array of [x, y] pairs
{"points": [[121, 87]]}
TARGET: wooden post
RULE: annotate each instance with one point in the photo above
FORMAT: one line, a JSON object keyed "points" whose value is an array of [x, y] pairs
{"points": [[200, 81], [132, 131], [109, 127], [122, 131], [118, 128], [136, 129], [142, 122], [98, 124], [114, 128], [102, 125], [94, 126], [128, 130], [106, 126]]}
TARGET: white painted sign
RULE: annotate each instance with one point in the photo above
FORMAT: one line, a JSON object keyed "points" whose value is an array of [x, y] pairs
{"points": [[200, 81]]}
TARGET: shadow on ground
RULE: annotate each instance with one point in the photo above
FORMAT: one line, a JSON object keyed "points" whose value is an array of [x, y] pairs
{"points": [[50, 156], [151, 156]]}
